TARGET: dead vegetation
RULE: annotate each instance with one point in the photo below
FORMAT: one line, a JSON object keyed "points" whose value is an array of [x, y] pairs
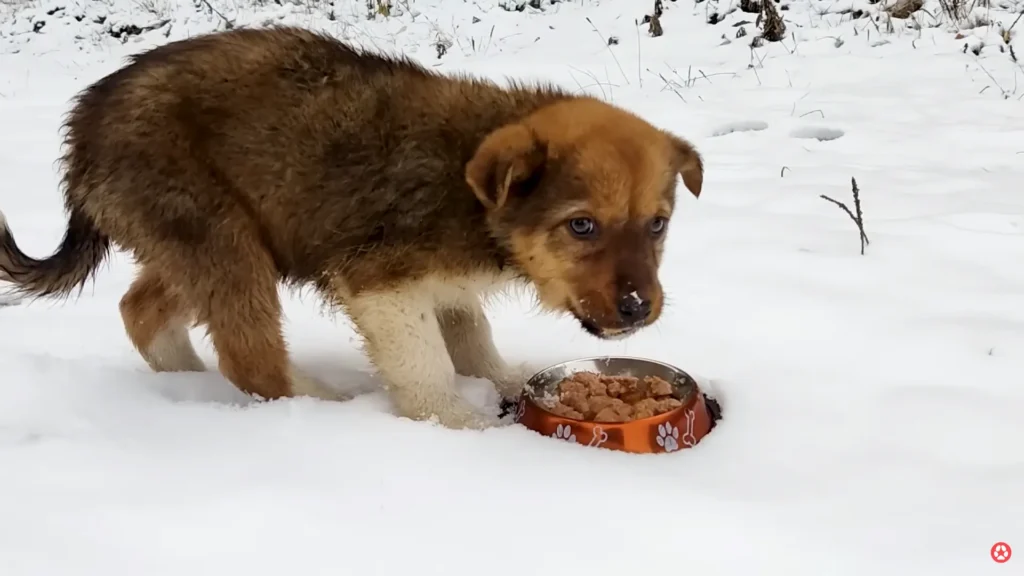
{"points": [[955, 10], [653, 20], [773, 29], [856, 215], [903, 9], [769, 20]]}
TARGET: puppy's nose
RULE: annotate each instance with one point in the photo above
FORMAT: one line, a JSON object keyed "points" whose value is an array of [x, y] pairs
{"points": [[633, 308]]}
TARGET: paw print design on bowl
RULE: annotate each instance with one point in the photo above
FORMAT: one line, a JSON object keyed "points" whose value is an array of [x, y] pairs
{"points": [[564, 432], [668, 437]]}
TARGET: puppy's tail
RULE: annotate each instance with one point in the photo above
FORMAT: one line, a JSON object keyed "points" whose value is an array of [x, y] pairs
{"points": [[81, 251]]}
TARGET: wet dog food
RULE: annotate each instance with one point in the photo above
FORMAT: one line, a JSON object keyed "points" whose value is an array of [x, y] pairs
{"points": [[600, 398]]}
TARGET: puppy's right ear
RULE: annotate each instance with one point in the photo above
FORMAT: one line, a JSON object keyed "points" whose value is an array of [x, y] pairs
{"points": [[689, 164], [511, 157]]}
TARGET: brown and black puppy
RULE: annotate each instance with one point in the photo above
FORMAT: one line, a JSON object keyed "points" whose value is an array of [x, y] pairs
{"points": [[229, 163]]}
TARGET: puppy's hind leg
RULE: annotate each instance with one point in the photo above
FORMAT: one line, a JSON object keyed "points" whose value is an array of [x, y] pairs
{"points": [[233, 281], [157, 321], [468, 339], [403, 340]]}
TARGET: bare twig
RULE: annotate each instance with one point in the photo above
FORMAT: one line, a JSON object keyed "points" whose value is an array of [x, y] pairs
{"points": [[955, 10], [610, 51], [993, 78], [668, 84], [638, 60], [228, 23], [1010, 29], [856, 215]]}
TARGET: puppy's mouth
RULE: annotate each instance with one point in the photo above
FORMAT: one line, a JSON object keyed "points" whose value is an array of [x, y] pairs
{"points": [[607, 333]]}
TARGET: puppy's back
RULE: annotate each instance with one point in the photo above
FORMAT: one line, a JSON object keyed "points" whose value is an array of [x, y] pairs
{"points": [[318, 143]]}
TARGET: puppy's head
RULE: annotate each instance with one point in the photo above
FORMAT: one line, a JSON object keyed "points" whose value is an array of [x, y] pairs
{"points": [[581, 195]]}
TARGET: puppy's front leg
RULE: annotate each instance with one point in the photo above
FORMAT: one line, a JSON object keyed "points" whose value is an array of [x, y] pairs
{"points": [[467, 336], [403, 340]]}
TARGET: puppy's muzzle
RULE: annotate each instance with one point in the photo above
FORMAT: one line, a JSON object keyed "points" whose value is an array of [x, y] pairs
{"points": [[631, 312], [633, 309]]}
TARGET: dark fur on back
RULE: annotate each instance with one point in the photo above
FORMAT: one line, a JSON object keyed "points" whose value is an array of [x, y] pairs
{"points": [[339, 151], [229, 163], [332, 153]]}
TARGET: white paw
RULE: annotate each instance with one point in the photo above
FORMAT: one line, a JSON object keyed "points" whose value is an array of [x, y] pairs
{"points": [[510, 384], [305, 385], [475, 420], [454, 413]]}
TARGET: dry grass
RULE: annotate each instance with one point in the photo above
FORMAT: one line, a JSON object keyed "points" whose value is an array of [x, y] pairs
{"points": [[955, 10]]}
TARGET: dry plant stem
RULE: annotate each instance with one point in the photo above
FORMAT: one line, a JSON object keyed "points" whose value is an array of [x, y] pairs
{"points": [[607, 47], [639, 77], [954, 9], [228, 23], [856, 215], [1015, 22]]}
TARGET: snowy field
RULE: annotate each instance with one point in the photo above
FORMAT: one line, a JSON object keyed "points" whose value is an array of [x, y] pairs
{"points": [[874, 405]]}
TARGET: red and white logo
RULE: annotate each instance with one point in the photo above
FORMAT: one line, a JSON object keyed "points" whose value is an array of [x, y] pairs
{"points": [[1001, 552]]}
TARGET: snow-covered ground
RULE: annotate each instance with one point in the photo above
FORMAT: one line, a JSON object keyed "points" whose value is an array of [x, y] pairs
{"points": [[874, 405]]}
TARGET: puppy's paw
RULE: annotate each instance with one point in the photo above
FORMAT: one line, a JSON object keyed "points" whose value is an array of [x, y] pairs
{"points": [[467, 419], [451, 412], [305, 385], [509, 384]]}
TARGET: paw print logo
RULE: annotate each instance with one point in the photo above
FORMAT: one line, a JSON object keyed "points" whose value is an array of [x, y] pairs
{"points": [[564, 432], [668, 437]]}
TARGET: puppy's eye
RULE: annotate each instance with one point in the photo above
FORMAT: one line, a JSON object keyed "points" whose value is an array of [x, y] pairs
{"points": [[658, 225], [582, 227]]}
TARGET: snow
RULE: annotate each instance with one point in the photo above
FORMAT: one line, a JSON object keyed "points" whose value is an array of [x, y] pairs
{"points": [[872, 403]]}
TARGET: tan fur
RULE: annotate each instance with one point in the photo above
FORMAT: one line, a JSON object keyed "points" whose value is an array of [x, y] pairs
{"points": [[630, 169], [157, 321], [230, 163]]}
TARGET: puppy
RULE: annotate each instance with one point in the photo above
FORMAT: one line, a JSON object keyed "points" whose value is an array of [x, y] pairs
{"points": [[230, 163]]}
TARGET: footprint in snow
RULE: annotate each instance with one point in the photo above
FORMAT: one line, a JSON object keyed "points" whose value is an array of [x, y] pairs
{"points": [[740, 126], [817, 133]]}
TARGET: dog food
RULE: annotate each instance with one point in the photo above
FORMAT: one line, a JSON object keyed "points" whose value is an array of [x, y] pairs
{"points": [[600, 398]]}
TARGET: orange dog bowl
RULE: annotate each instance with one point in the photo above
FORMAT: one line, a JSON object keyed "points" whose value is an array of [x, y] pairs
{"points": [[675, 430]]}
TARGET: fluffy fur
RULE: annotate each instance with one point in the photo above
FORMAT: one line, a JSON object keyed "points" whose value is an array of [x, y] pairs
{"points": [[229, 163]]}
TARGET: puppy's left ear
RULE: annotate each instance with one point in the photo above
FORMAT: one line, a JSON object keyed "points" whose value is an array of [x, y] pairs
{"points": [[688, 163], [510, 158]]}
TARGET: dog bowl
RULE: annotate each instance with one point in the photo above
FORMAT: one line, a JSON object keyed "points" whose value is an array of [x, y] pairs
{"points": [[679, 428]]}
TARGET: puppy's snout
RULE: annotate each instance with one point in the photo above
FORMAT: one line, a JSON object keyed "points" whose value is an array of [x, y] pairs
{"points": [[633, 308]]}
